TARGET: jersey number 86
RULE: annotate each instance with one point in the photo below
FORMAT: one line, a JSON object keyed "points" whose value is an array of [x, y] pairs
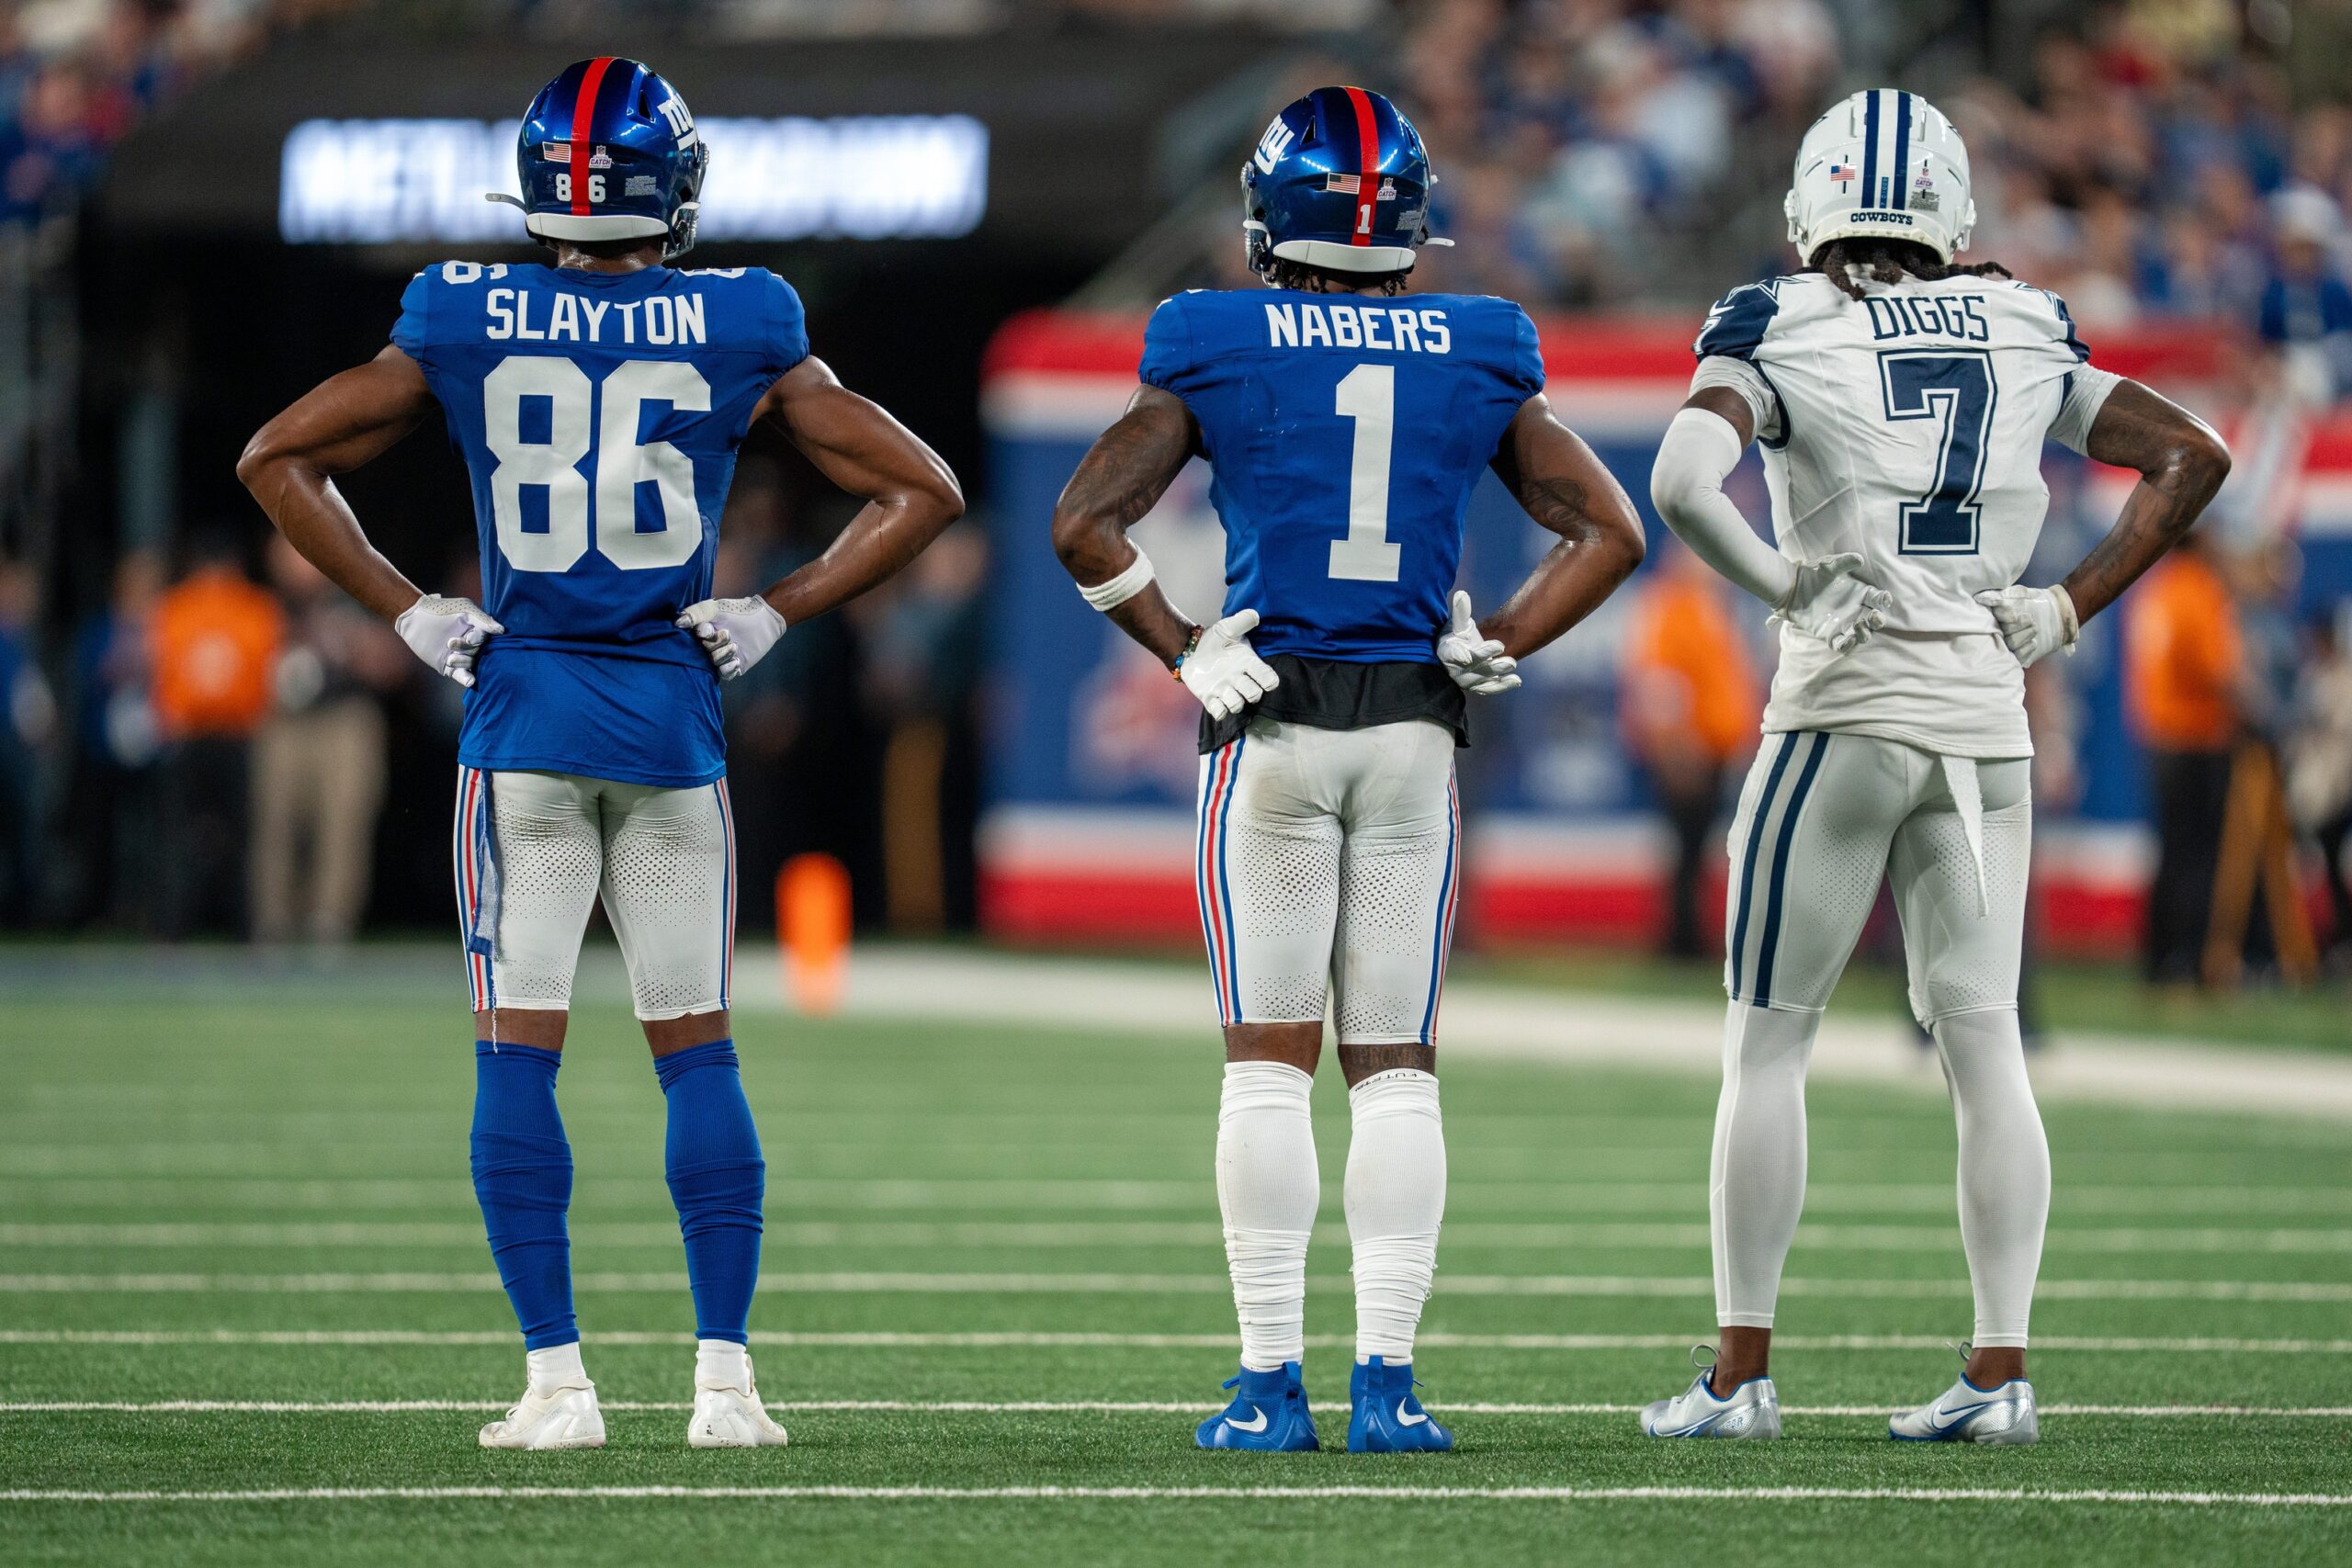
{"points": [[622, 462]]}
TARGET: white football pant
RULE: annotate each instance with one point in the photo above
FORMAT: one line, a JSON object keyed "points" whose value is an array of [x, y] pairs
{"points": [[1822, 818], [535, 851], [1330, 859]]}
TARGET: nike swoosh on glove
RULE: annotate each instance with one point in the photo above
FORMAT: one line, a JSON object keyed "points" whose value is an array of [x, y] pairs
{"points": [[2034, 622], [1223, 670], [735, 633], [1833, 601], [446, 632], [1476, 662]]}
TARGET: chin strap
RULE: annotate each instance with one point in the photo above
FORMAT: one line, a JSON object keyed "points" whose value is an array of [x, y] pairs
{"points": [[499, 196]]}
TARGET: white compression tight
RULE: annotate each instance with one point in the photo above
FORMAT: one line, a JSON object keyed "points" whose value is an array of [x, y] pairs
{"points": [[1268, 1185], [1756, 1172]]}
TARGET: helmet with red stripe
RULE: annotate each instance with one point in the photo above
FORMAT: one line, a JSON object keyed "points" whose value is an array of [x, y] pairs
{"points": [[609, 152], [1339, 181]]}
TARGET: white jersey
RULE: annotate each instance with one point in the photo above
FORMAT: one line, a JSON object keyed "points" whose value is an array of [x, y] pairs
{"points": [[1907, 428]]}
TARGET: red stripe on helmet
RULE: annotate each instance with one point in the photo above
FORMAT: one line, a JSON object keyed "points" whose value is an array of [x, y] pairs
{"points": [[583, 115], [1368, 164]]}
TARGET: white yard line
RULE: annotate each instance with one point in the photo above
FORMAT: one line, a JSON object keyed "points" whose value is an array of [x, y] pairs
{"points": [[1025, 1407], [1072, 1284], [996, 1340], [1059, 1235], [1241, 1493], [1484, 1020]]}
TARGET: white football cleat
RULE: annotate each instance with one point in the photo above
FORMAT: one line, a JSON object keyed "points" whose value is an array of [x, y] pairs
{"points": [[1751, 1410], [564, 1418], [1967, 1413], [726, 1417]]}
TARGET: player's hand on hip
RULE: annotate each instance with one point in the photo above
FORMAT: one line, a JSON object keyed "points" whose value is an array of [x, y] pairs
{"points": [[446, 632], [1476, 662], [1833, 601], [735, 633], [1223, 670], [2034, 622]]}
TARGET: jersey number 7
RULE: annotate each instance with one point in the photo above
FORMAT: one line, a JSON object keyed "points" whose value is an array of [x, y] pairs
{"points": [[1954, 388], [622, 463]]}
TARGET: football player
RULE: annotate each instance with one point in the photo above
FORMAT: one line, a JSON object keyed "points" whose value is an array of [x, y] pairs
{"points": [[1902, 401], [1347, 423], [598, 404]]}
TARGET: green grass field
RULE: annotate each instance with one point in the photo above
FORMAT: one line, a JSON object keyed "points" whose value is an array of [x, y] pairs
{"points": [[264, 1202]]}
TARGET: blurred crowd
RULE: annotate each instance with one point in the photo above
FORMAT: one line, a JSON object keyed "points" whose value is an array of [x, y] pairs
{"points": [[2159, 159], [216, 756]]}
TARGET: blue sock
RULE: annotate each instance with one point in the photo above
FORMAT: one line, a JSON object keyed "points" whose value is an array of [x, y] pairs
{"points": [[522, 1178], [716, 1180]]}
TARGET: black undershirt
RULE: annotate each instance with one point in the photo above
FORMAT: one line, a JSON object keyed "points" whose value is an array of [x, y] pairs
{"points": [[1334, 693]]}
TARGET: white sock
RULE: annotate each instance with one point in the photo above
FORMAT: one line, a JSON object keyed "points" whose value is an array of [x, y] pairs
{"points": [[1267, 1186], [556, 1367], [2004, 1168], [1395, 1199], [1755, 1180], [722, 1363]]}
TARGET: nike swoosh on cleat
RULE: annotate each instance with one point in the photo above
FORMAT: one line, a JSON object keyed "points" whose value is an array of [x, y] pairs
{"points": [[1259, 1425], [1404, 1420], [1957, 1416]]}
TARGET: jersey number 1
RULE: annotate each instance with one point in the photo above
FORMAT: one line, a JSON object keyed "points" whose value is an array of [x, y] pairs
{"points": [[622, 464], [1954, 388], [1367, 394]]}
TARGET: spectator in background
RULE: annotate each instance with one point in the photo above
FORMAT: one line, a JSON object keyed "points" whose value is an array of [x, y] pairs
{"points": [[109, 811], [28, 715], [319, 759], [2306, 312], [214, 644], [2183, 666], [2319, 773], [1690, 712], [926, 649]]}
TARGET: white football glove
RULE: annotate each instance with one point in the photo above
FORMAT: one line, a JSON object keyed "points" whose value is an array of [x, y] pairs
{"points": [[1476, 662], [446, 632], [736, 633], [2034, 622], [1223, 670], [1833, 601]]}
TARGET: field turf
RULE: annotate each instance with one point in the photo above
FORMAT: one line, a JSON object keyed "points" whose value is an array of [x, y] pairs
{"points": [[259, 1205]]}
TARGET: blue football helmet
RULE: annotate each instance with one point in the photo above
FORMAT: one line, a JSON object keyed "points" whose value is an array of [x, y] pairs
{"points": [[609, 152], [1339, 180]]}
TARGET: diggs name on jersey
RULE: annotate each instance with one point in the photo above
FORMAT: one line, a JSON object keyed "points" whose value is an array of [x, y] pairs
{"points": [[1908, 315]]}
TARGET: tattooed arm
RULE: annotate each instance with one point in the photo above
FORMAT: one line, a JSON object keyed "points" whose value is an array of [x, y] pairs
{"points": [[2181, 463], [1124, 474], [1564, 488]]}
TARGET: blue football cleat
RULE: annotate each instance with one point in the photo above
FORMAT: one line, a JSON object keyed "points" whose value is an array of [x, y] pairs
{"points": [[1268, 1415], [1385, 1418]]}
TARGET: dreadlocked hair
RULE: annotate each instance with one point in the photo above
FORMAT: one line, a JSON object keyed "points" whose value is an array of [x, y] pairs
{"points": [[1284, 273], [1888, 261]]}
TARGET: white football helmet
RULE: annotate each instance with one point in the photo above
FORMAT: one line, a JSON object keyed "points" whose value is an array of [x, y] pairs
{"points": [[1884, 164]]}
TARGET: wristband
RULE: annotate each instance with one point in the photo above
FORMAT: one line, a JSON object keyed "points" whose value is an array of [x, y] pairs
{"points": [[1191, 644], [1108, 596]]}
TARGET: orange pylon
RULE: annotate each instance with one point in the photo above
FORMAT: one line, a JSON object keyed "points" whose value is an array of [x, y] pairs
{"points": [[813, 923]]}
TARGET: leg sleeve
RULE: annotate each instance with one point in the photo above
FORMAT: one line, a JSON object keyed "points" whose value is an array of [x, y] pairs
{"points": [[669, 887], [527, 861], [1268, 878], [1808, 848], [1399, 885]]}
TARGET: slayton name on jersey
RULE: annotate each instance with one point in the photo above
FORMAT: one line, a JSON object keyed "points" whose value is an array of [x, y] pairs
{"points": [[1387, 327]]}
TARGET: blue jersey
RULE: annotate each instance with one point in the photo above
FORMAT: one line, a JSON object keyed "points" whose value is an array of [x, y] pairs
{"points": [[598, 415], [1347, 433]]}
